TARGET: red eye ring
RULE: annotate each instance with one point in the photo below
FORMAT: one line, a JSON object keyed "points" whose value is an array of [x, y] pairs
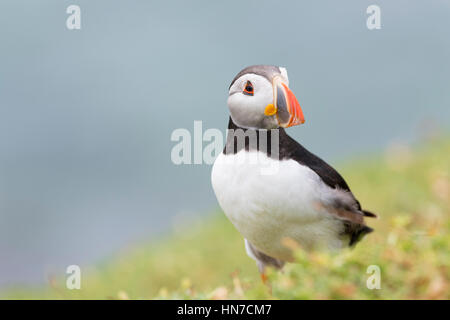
{"points": [[248, 89]]}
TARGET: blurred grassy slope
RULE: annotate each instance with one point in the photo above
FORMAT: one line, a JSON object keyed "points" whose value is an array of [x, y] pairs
{"points": [[408, 188]]}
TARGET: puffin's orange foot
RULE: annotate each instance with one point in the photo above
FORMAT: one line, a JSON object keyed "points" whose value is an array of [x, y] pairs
{"points": [[266, 282], [264, 278]]}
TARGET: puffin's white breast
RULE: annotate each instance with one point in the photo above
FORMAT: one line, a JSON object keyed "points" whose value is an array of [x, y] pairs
{"points": [[268, 200]]}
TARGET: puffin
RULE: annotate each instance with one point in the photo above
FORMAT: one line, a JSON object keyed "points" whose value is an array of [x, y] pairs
{"points": [[272, 188]]}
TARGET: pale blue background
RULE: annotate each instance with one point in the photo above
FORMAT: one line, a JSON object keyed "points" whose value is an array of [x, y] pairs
{"points": [[86, 116]]}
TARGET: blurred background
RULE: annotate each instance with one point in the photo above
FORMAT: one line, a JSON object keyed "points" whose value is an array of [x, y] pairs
{"points": [[86, 115]]}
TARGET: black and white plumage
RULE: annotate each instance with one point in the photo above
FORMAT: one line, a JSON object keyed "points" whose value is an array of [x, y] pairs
{"points": [[272, 192]]}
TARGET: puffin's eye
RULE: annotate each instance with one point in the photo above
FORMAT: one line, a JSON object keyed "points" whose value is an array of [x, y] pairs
{"points": [[248, 89]]}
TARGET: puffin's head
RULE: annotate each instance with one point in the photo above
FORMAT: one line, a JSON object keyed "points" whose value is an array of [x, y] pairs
{"points": [[259, 98]]}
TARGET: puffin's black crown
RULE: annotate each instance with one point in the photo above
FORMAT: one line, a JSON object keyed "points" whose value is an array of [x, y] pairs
{"points": [[266, 71]]}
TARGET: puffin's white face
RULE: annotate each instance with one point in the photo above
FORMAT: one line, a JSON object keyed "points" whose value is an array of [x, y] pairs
{"points": [[248, 97], [259, 103]]}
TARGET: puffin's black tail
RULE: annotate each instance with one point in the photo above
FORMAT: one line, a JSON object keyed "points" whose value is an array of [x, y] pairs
{"points": [[358, 234]]}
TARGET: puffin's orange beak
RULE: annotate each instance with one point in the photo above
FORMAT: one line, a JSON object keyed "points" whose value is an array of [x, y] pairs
{"points": [[288, 110]]}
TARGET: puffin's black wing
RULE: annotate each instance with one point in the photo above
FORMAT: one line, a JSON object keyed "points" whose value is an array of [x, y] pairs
{"points": [[350, 210], [291, 149]]}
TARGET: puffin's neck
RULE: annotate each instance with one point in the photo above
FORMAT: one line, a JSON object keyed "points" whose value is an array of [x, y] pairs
{"points": [[252, 139], [234, 126]]}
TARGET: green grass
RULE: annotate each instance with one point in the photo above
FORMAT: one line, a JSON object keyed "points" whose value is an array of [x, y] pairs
{"points": [[408, 188]]}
